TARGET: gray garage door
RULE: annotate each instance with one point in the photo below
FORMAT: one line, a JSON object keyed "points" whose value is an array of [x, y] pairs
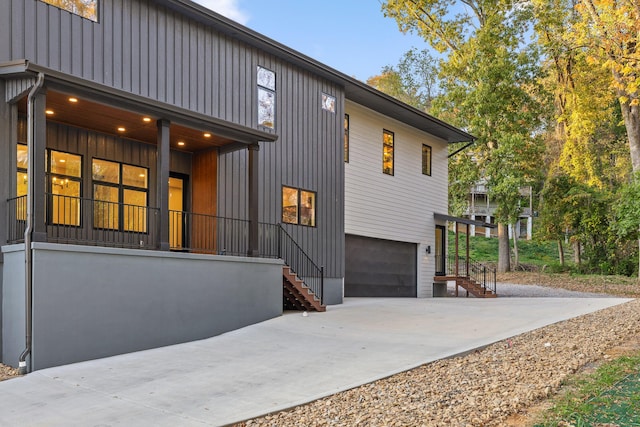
{"points": [[379, 268]]}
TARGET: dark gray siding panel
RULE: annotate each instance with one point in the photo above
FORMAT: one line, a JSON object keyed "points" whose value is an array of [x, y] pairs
{"points": [[139, 47], [379, 268], [307, 154]]}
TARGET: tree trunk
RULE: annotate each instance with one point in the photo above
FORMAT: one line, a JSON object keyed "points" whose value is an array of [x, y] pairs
{"points": [[631, 116], [516, 258], [576, 252], [560, 252], [504, 257]]}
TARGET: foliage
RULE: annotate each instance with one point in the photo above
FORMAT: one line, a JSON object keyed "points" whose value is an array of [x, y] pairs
{"points": [[413, 81], [626, 210], [610, 32]]}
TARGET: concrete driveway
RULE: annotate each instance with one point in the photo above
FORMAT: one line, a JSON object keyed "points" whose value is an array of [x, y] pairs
{"points": [[276, 364]]}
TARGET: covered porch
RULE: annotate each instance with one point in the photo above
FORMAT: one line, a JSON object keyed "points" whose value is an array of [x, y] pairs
{"points": [[474, 277]]}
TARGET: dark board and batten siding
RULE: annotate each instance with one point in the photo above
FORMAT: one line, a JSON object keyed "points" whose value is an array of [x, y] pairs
{"points": [[308, 155], [139, 47], [143, 48]]}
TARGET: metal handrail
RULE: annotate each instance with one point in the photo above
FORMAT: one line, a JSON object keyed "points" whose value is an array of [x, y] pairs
{"points": [[300, 263], [482, 274]]}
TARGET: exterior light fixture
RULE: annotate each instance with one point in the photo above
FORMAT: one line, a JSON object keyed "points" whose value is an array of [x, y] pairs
{"points": [[49, 112], [181, 143], [207, 135], [146, 119], [121, 129], [73, 100]]}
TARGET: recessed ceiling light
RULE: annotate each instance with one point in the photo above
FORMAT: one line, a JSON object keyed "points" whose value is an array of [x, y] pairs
{"points": [[207, 135], [62, 160], [72, 99], [121, 129], [48, 112], [141, 175], [181, 143], [146, 119]]}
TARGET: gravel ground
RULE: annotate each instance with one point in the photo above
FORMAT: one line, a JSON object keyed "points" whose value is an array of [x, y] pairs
{"points": [[532, 291], [489, 387]]}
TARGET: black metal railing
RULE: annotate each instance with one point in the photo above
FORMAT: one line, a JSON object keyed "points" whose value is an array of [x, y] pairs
{"points": [[210, 234], [453, 266], [16, 219], [77, 220], [301, 264]]}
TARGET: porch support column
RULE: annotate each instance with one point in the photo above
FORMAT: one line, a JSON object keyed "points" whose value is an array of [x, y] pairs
{"points": [[7, 163], [162, 185], [38, 173], [254, 149]]}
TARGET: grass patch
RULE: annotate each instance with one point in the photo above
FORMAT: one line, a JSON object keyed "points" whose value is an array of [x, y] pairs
{"points": [[609, 396]]}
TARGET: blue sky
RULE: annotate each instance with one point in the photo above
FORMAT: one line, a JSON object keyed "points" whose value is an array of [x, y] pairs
{"points": [[351, 36]]}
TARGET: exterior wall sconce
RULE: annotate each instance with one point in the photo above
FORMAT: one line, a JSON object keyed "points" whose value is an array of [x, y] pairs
{"points": [[428, 249]]}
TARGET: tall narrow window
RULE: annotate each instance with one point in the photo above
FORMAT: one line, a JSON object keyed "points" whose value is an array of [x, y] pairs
{"points": [[21, 177], [298, 206], [21, 182], [120, 192], [346, 138], [387, 152], [266, 97], [65, 181], [426, 160]]}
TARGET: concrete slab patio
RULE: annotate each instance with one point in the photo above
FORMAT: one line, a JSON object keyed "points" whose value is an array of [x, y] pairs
{"points": [[276, 364]]}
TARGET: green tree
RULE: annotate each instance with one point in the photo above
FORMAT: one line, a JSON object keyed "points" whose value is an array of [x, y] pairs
{"points": [[413, 81], [489, 80]]}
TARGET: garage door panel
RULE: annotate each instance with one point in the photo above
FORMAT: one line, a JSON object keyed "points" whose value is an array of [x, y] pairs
{"points": [[379, 268]]}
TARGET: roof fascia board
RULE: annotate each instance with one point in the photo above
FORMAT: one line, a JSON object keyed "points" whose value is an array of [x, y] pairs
{"points": [[354, 89], [135, 103]]}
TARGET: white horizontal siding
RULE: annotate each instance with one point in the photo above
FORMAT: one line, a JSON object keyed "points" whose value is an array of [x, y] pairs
{"points": [[398, 207]]}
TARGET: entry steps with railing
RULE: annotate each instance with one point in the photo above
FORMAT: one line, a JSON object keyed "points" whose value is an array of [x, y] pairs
{"points": [[474, 277]]}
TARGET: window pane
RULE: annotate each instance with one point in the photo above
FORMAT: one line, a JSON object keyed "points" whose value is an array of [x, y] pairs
{"points": [[22, 157], [22, 184], [290, 205], [308, 208], [328, 103], [106, 171], [266, 108], [65, 206], [85, 8], [66, 164], [266, 78], [426, 160], [134, 176], [135, 211], [387, 153], [346, 138], [105, 207]]}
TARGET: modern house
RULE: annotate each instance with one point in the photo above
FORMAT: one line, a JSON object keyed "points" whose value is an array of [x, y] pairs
{"points": [[169, 175]]}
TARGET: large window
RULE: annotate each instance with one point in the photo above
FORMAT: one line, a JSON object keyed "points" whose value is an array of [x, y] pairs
{"points": [[120, 192], [86, 8], [266, 97], [346, 138], [387, 152], [426, 160], [298, 206], [64, 173]]}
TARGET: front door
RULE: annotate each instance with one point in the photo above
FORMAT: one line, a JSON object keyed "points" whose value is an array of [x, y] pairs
{"points": [[440, 250], [177, 192]]}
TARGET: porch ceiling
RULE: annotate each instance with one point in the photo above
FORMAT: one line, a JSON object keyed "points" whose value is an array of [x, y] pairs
{"points": [[87, 114]]}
